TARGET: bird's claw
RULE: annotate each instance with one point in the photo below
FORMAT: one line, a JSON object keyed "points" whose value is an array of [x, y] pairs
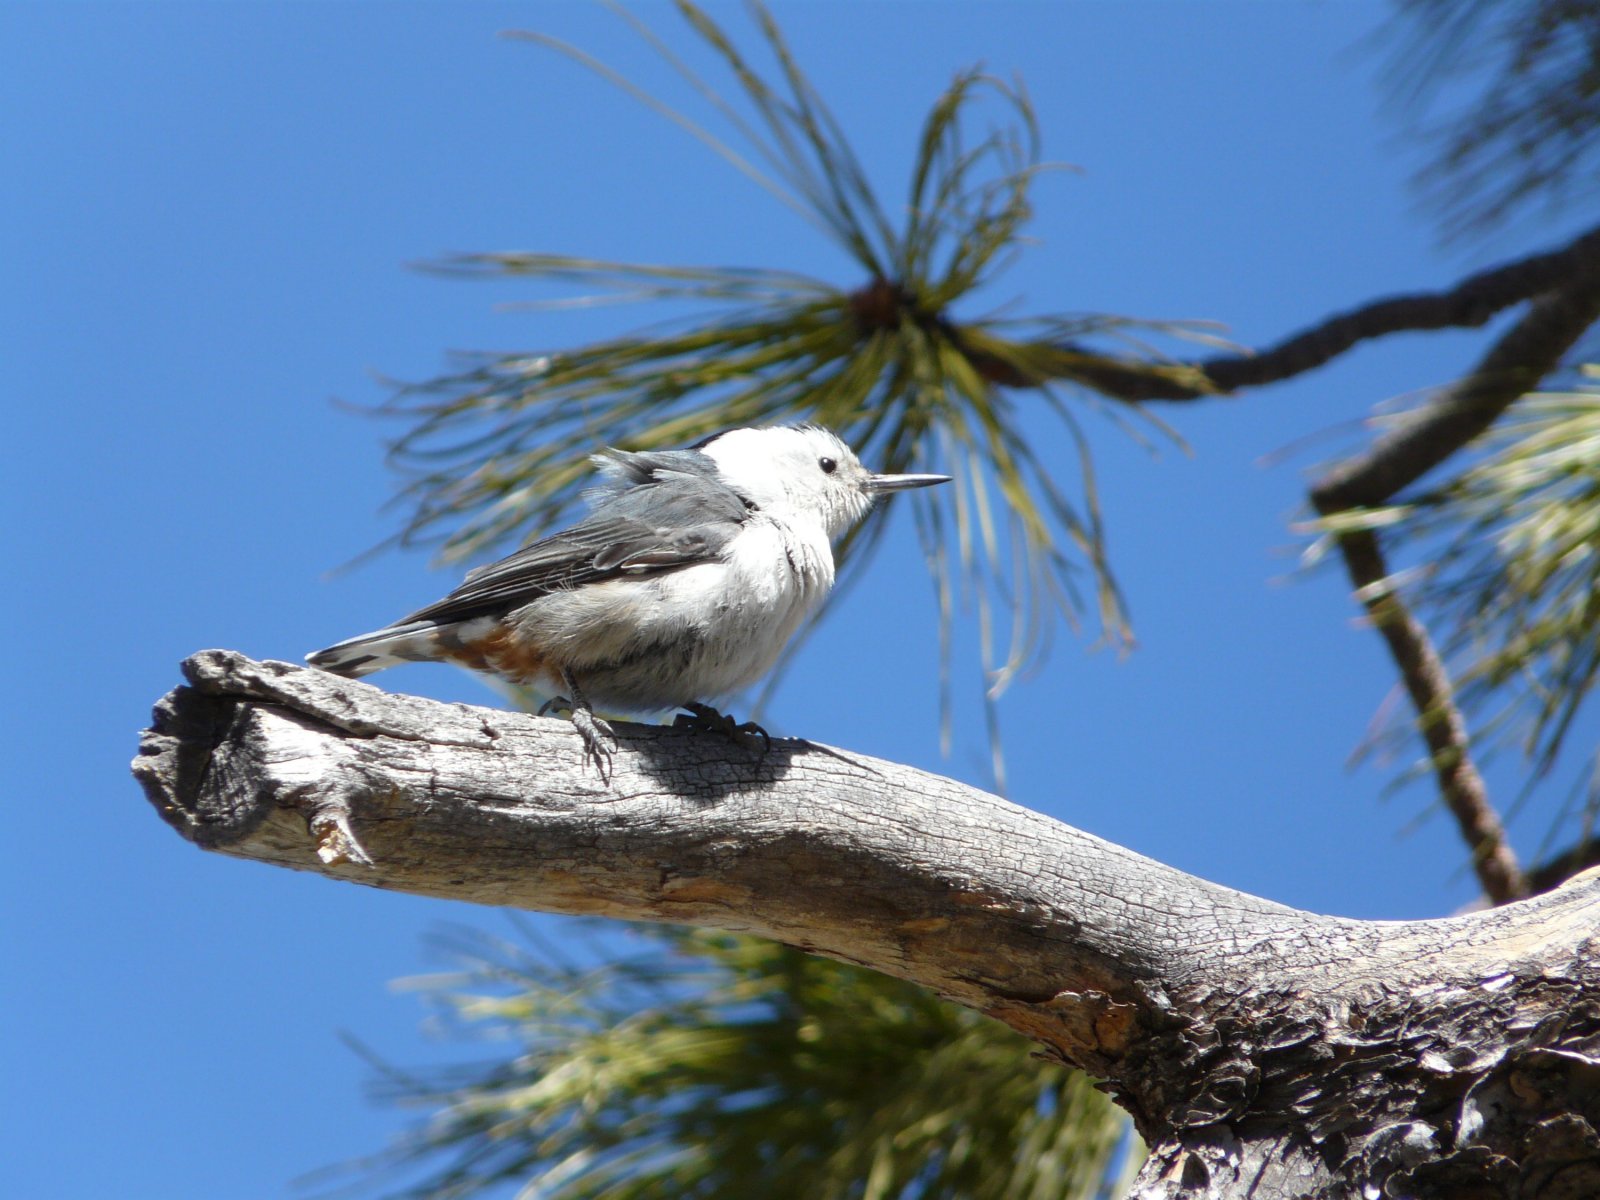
{"points": [[594, 731], [703, 716]]}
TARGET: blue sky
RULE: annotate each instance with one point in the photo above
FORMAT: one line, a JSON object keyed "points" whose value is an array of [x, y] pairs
{"points": [[209, 209]]}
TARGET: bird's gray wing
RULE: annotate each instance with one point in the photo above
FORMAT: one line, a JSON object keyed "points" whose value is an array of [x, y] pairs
{"points": [[671, 522], [619, 469]]}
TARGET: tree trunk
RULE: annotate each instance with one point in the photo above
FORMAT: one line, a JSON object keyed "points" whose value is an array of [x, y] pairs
{"points": [[1263, 1052]]}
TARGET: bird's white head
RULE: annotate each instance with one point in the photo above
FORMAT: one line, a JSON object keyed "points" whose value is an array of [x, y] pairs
{"points": [[803, 473]]}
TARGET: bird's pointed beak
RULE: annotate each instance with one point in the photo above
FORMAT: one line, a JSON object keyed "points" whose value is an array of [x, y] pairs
{"points": [[899, 483]]}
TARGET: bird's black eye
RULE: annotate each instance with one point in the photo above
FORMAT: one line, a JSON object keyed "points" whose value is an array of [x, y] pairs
{"points": [[828, 465]]}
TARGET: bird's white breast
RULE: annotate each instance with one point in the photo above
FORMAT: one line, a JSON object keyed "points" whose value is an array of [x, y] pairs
{"points": [[697, 633], [750, 604]]}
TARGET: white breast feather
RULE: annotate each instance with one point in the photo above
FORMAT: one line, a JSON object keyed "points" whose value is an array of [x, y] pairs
{"points": [[756, 600], [732, 618]]}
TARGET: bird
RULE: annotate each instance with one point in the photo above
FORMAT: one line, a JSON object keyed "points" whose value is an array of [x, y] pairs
{"points": [[691, 572]]}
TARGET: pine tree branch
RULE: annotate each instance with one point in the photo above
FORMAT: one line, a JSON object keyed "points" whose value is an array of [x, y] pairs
{"points": [[1528, 352], [1468, 304], [1439, 719], [1522, 357]]}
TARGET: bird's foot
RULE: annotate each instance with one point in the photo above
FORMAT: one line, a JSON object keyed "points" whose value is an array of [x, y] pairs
{"points": [[745, 734], [595, 731]]}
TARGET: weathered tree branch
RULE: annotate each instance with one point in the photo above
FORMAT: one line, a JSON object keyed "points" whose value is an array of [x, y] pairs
{"points": [[1264, 1052]]}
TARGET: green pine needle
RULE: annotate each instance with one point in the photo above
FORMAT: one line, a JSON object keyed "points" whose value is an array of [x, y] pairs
{"points": [[1507, 95], [721, 1067]]}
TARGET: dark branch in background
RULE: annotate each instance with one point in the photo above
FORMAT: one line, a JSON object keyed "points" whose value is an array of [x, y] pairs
{"points": [[1530, 350], [1564, 287], [1468, 304], [1527, 353], [1564, 866], [1440, 721]]}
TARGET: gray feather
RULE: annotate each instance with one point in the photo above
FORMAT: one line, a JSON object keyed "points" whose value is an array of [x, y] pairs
{"points": [[671, 520], [622, 469]]}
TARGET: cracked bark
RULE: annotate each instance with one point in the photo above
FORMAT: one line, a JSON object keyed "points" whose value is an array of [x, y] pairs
{"points": [[1263, 1052]]}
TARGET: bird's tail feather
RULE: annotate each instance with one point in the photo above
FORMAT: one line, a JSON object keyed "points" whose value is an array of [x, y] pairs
{"points": [[358, 656]]}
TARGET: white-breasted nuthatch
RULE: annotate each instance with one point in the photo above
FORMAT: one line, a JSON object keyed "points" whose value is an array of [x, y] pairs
{"points": [[684, 583]]}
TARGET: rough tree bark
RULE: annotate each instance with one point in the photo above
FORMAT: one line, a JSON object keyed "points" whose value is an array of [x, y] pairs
{"points": [[1263, 1052]]}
